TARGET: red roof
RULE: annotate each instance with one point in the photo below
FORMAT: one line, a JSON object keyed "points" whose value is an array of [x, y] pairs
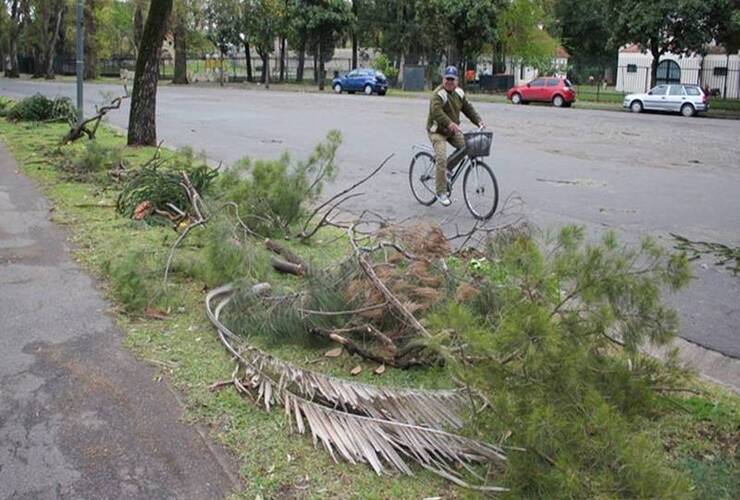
{"points": [[562, 53]]}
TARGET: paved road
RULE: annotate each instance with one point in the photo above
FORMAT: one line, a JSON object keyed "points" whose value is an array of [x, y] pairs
{"points": [[79, 416], [640, 174]]}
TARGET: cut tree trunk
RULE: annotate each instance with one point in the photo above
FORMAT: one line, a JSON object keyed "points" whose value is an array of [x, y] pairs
{"points": [[142, 126], [180, 76]]}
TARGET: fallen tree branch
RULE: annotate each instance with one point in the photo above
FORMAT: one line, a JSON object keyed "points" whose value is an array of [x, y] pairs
{"points": [[81, 129], [285, 253], [331, 200], [392, 299]]}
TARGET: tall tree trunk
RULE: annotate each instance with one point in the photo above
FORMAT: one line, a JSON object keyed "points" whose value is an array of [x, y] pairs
{"points": [[38, 64], [354, 36], [315, 68], [248, 57], [301, 61], [321, 67], [11, 71], [180, 34], [282, 58], [263, 58], [50, 49], [220, 67], [142, 125], [91, 44], [266, 70], [655, 51]]}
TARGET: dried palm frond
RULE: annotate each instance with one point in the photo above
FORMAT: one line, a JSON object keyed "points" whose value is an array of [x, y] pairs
{"points": [[363, 423], [418, 407]]}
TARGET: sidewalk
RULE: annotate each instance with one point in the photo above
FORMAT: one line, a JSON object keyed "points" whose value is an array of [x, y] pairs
{"points": [[80, 417]]}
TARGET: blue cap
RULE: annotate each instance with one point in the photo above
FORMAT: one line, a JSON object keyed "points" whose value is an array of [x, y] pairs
{"points": [[451, 71]]}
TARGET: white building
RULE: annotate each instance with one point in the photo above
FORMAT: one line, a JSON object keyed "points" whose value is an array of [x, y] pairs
{"points": [[717, 71]]}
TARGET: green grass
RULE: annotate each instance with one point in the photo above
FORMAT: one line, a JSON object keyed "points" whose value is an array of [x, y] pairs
{"points": [[699, 432]]}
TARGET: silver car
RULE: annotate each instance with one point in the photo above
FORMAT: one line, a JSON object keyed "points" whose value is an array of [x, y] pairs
{"points": [[677, 98]]}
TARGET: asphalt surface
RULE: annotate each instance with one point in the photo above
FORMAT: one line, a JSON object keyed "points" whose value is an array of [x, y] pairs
{"points": [[647, 174], [79, 416]]}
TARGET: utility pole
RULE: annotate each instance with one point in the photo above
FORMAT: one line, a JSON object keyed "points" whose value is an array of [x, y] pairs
{"points": [[80, 57]]}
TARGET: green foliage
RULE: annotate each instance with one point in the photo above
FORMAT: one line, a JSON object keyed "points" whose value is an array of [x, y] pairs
{"points": [[273, 194], [556, 381], [383, 64], [131, 277], [40, 108], [227, 259], [91, 163], [160, 184], [6, 105], [521, 37]]}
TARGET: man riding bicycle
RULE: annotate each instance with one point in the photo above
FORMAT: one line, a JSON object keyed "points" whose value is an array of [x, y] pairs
{"points": [[443, 126]]}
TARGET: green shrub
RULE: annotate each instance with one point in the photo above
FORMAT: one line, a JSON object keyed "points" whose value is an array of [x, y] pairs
{"points": [[133, 280], [383, 64], [40, 108], [5, 105], [273, 194], [93, 162], [544, 341]]}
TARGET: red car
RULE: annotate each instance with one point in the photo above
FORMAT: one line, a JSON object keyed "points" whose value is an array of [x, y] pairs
{"points": [[544, 89]]}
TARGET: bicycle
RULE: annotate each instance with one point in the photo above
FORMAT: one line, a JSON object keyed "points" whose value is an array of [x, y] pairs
{"points": [[480, 188]]}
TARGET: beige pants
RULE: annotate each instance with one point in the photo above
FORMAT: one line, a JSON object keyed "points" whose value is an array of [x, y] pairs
{"points": [[439, 143]]}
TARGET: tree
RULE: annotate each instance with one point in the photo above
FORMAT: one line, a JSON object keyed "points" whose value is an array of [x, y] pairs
{"points": [[142, 127], [47, 26], [91, 39], [266, 18], [297, 32], [663, 26], [224, 23], [466, 25], [583, 28], [179, 18], [522, 37], [326, 22], [19, 14]]}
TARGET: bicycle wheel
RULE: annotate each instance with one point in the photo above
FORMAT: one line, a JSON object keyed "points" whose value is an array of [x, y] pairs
{"points": [[421, 178], [480, 190]]}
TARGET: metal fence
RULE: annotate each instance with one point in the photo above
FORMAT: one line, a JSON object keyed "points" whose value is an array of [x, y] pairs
{"points": [[717, 74], [209, 68]]}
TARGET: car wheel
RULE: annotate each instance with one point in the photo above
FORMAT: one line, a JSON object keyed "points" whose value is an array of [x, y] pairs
{"points": [[368, 89], [516, 99], [636, 107], [558, 101], [338, 88], [688, 110]]}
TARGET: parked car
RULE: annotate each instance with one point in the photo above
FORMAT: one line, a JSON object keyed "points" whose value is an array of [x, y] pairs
{"points": [[677, 98], [361, 80], [544, 89]]}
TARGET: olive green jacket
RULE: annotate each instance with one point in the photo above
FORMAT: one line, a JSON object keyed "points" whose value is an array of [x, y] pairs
{"points": [[445, 108]]}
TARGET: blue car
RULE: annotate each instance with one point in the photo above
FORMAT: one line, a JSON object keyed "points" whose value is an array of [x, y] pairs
{"points": [[361, 80]]}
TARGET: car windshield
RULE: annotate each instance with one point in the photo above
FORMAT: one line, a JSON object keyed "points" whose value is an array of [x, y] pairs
{"points": [[567, 83], [379, 74]]}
